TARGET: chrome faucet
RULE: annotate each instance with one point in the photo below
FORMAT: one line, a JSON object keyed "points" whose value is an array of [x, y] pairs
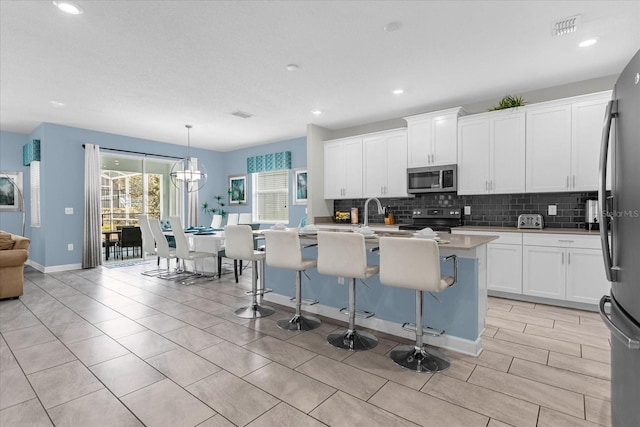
{"points": [[366, 209]]}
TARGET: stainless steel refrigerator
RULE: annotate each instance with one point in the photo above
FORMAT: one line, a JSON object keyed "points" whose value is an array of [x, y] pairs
{"points": [[622, 255]]}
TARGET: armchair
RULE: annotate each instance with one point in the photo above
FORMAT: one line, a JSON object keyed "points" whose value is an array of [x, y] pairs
{"points": [[14, 251]]}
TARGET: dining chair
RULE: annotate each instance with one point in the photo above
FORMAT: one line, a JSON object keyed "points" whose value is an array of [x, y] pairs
{"points": [[163, 249], [131, 237], [216, 222], [415, 264], [244, 218], [149, 244], [232, 219], [182, 248]]}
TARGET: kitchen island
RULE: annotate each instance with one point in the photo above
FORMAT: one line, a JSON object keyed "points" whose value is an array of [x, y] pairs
{"points": [[460, 310]]}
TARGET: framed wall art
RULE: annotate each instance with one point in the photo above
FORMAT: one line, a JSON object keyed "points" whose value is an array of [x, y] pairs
{"points": [[11, 199], [300, 180], [237, 189]]}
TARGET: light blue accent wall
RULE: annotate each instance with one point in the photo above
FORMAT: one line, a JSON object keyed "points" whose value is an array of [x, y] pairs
{"points": [[456, 312], [235, 163], [11, 160], [62, 180]]}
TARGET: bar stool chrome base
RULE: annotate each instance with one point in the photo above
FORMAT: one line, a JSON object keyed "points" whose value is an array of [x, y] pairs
{"points": [[348, 339], [254, 311], [299, 323], [420, 359]]}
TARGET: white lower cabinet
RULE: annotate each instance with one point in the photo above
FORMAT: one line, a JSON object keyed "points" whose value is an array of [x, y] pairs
{"points": [[586, 278], [543, 272], [504, 268], [563, 267]]}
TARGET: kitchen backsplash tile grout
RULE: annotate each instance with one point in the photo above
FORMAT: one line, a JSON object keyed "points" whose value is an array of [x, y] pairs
{"points": [[500, 210]]}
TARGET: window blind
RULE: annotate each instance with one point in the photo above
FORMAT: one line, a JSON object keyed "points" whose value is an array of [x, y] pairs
{"points": [[271, 196]]}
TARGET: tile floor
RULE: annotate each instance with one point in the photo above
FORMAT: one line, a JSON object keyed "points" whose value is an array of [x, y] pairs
{"points": [[111, 347]]}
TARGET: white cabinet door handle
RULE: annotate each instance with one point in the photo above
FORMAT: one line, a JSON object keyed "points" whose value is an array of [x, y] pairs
{"points": [[562, 257], [574, 181], [568, 257]]}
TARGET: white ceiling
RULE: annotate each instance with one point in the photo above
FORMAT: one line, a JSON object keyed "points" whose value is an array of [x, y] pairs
{"points": [[146, 68]]}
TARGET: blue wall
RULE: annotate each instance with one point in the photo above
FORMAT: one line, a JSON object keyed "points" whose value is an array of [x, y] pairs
{"points": [[235, 163], [62, 180]]}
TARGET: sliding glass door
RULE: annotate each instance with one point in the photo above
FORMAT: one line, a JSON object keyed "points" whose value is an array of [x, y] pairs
{"points": [[132, 186]]}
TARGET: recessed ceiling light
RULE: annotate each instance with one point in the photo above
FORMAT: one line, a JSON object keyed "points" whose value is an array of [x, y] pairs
{"points": [[68, 7], [316, 112], [392, 26], [292, 67], [398, 91], [588, 42], [57, 104]]}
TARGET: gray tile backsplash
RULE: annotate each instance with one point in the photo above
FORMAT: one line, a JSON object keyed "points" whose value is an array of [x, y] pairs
{"points": [[486, 210]]}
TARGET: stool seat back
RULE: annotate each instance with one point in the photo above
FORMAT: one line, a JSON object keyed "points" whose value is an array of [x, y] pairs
{"points": [[238, 243], [343, 254], [284, 250], [411, 263]]}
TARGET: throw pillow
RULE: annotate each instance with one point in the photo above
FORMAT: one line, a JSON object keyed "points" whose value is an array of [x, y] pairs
{"points": [[6, 242]]}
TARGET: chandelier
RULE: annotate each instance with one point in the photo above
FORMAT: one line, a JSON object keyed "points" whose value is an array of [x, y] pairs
{"points": [[188, 172]]}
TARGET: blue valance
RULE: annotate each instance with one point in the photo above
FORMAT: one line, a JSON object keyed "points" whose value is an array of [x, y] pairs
{"points": [[30, 152], [269, 162]]}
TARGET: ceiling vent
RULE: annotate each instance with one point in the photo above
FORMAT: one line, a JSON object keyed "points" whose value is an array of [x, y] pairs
{"points": [[566, 26], [241, 114]]}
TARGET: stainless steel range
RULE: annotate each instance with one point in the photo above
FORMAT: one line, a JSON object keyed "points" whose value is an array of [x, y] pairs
{"points": [[438, 219]]}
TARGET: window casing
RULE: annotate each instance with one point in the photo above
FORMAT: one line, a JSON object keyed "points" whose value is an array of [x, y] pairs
{"points": [[270, 196]]}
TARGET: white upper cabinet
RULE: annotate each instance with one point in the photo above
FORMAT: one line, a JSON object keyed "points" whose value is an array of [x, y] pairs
{"points": [[491, 153], [432, 138], [343, 168], [586, 134], [385, 164], [563, 143]]}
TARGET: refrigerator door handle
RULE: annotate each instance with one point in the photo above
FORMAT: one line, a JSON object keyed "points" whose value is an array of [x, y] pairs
{"points": [[632, 344], [611, 112]]}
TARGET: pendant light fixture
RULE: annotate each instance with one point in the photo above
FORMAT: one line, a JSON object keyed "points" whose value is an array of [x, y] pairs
{"points": [[188, 172]]}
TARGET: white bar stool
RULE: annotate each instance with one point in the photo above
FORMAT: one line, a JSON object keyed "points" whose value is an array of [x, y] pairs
{"points": [[238, 243], [284, 251], [415, 264], [345, 254]]}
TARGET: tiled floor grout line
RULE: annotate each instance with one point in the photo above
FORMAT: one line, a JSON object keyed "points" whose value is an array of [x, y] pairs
{"points": [[153, 286]]}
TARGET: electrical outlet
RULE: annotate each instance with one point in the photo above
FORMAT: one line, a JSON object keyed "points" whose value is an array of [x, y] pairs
{"points": [[553, 210], [68, 211], [340, 280], [70, 247], [467, 210]]}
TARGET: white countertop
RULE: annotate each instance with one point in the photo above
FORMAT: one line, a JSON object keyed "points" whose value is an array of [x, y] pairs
{"points": [[447, 240], [578, 231]]}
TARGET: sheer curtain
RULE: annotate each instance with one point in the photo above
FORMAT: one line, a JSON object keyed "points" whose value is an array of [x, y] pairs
{"points": [[92, 237]]}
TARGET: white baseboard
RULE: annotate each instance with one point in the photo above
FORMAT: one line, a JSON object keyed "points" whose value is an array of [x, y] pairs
{"points": [[53, 269], [457, 344]]}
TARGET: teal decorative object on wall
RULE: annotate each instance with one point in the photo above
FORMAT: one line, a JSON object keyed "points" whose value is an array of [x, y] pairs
{"points": [[269, 162], [30, 152]]}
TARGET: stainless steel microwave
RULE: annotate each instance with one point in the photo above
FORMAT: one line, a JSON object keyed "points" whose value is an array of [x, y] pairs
{"points": [[432, 179]]}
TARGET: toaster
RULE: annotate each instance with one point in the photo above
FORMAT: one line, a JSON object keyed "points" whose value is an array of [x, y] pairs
{"points": [[531, 221]]}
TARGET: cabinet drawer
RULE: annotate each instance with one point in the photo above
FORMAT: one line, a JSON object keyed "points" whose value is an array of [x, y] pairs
{"points": [[561, 240]]}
